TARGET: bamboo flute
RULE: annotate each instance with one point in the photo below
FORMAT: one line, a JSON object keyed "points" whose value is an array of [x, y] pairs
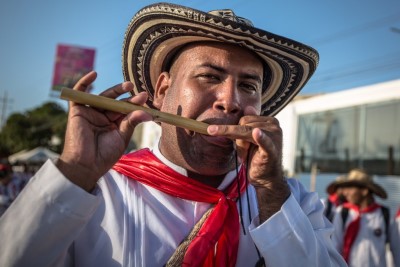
{"points": [[126, 107]]}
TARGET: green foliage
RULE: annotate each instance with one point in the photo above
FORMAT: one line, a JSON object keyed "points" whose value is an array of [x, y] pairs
{"points": [[33, 128]]}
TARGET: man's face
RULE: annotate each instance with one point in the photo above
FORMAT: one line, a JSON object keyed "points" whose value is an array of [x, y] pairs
{"points": [[214, 83], [355, 194]]}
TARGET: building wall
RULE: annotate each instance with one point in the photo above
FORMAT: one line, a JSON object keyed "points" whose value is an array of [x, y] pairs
{"points": [[367, 96]]}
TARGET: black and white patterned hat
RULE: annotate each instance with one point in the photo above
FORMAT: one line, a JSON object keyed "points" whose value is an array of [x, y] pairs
{"points": [[159, 30]]}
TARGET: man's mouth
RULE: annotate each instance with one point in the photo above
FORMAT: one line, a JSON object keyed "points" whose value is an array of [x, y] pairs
{"points": [[220, 141]]}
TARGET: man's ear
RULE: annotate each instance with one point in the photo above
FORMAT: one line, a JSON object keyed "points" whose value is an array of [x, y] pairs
{"points": [[162, 85]]}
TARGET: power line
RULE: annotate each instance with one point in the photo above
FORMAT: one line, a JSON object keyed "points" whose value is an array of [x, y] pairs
{"points": [[341, 75], [377, 62], [357, 29]]}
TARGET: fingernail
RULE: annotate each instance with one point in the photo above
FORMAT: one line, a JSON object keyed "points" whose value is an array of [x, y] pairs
{"points": [[212, 129]]}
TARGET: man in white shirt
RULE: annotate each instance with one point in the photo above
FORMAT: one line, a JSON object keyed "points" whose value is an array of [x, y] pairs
{"points": [[214, 198], [362, 226]]}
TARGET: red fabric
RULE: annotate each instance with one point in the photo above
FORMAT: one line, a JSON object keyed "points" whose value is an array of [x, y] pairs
{"points": [[220, 230], [398, 213], [354, 227], [334, 198]]}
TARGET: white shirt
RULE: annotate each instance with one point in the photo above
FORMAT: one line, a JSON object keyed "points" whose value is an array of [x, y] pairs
{"points": [[125, 223], [369, 247]]}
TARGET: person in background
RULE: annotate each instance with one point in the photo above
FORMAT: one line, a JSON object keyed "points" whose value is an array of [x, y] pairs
{"points": [[10, 186], [395, 242], [362, 226], [335, 197], [198, 198]]}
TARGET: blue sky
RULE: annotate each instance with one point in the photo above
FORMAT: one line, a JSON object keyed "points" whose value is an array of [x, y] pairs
{"points": [[358, 40]]}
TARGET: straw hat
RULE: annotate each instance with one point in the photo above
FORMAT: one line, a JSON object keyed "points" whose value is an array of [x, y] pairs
{"points": [[157, 31], [332, 187], [358, 177]]}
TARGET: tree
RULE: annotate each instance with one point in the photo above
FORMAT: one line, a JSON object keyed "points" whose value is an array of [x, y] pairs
{"points": [[34, 128]]}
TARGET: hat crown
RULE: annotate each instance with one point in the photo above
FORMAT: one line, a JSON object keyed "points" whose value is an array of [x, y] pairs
{"points": [[230, 15], [359, 175]]}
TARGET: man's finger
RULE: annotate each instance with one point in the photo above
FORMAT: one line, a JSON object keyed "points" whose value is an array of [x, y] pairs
{"points": [[84, 82], [118, 90]]}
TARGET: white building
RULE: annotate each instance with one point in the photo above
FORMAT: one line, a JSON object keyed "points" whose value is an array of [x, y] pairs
{"points": [[359, 127]]}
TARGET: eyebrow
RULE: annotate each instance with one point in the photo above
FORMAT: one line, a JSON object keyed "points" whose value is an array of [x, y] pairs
{"points": [[251, 76]]}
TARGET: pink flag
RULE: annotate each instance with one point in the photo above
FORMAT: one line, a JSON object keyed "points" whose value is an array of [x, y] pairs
{"points": [[72, 62]]}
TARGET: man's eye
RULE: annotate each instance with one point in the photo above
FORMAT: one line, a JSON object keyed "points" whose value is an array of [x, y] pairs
{"points": [[209, 76], [249, 87]]}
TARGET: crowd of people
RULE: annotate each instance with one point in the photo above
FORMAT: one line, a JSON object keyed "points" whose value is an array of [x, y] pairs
{"points": [[11, 183], [214, 198]]}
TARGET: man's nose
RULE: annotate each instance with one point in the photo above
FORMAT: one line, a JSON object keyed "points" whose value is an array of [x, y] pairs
{"points": [[228, 97]]}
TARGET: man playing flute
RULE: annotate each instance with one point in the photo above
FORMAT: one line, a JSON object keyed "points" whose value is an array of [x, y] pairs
{"points": [[215, 199]]}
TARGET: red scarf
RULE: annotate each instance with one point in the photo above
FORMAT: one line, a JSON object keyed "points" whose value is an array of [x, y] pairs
{"points": [[216, 243], [334, 199], [354, 227]]}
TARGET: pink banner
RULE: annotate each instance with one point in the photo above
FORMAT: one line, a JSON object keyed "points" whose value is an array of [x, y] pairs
{"points": [[72, 62]]}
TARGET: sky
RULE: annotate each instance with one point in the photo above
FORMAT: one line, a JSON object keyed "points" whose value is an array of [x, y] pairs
{"points": [[358, 40]]}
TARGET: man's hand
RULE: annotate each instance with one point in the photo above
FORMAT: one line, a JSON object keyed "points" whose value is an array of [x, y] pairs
{"points": [[259, 144], [95, 139]]}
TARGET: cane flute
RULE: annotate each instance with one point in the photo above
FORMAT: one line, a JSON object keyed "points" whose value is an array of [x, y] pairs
{"points": [[126, 107]]}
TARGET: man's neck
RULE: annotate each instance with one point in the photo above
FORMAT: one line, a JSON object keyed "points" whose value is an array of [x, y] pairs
{"points": [[210, 180], [368, 201]]}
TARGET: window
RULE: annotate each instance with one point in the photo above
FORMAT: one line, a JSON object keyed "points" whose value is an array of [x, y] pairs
{"points": [[365, 136]]}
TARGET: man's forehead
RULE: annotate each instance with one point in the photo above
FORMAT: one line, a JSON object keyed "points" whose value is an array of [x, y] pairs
{"points": [[213, 45], [206, 50]]}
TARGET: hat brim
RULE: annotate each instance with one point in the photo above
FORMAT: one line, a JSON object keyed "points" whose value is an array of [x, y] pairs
{"points": [[332, 187], [158, 30], [375, 188]]}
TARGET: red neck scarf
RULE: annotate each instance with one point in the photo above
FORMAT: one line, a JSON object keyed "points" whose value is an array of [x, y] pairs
{"points": [[216, 243], [334, 198], [354, 227]]}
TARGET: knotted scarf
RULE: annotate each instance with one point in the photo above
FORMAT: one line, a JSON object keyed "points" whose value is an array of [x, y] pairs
{"points": [[354, 227], [216, 243]]}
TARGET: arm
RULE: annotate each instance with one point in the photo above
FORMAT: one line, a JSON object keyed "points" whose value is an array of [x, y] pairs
{"points": [[55, 205], [298, 234], [44, 220]]}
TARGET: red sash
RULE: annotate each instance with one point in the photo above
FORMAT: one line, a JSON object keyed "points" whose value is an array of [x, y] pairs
{"points": [[354, 227], [216, 243]]}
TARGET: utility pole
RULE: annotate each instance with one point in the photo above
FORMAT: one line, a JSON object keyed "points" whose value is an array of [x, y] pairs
{"points": [[4, 105]]}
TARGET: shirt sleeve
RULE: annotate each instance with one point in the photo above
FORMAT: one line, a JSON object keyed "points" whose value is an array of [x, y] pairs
{"points": [[44, 220], [299, 234]]}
